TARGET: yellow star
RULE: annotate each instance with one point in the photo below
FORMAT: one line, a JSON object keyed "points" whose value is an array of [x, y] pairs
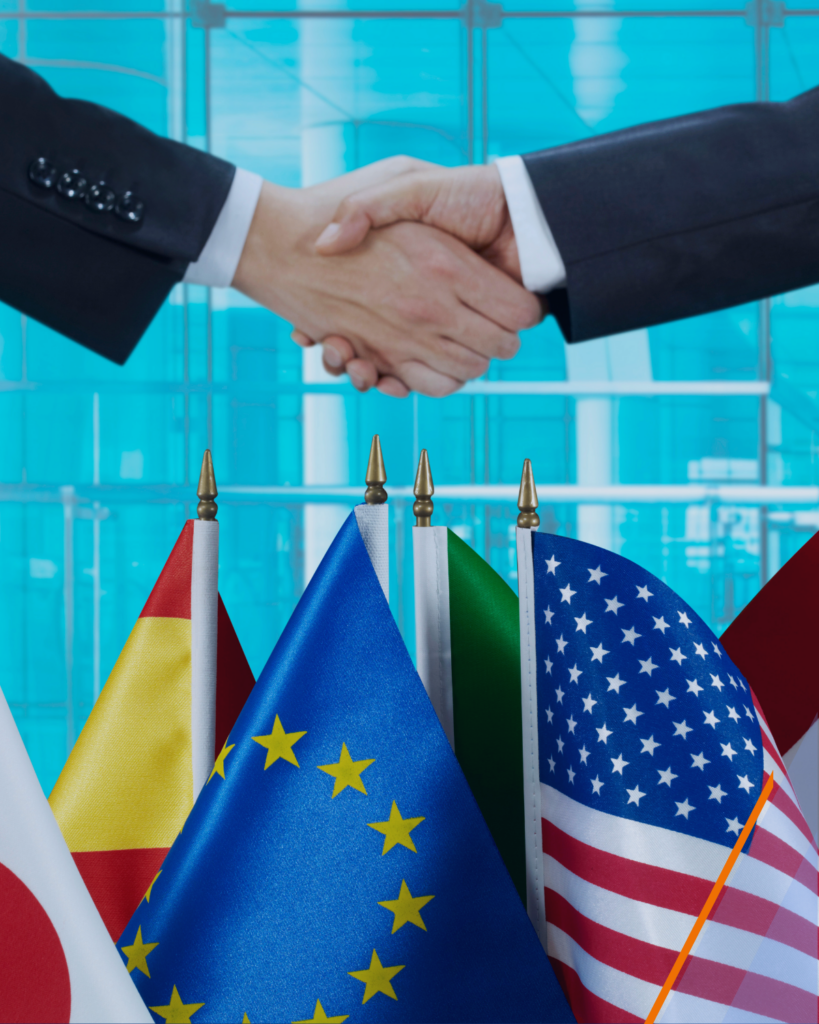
{"points": [[219, 763], [177, 1012], [377, 978], [279, 744], [150, 887], [346, 772], [320, 1017], [396, 830], [137, 954], [245, 1019], [407, 908]]}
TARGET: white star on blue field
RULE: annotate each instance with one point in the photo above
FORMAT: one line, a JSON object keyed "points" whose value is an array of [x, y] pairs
{"points": [[642, 713]]}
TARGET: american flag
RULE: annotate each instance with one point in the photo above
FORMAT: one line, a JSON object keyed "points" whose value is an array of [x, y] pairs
{"points": [[652, 755]]}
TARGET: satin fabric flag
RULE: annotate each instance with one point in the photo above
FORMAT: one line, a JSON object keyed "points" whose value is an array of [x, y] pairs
{"points": [[58, 963], [467, 638], [772, 642], [150, 741], [338, 866], [645, 755]]}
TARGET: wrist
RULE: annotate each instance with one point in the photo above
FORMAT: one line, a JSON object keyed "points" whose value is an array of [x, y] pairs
{"points": [[273, 233]]}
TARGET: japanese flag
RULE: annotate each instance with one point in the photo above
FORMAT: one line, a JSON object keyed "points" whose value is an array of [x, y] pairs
{"points": [[58, 960]]}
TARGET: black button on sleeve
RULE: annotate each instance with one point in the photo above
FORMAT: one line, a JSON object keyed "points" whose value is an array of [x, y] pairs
{"points": [[72, 185], [42, 172], [100, 198], [130, 208]]}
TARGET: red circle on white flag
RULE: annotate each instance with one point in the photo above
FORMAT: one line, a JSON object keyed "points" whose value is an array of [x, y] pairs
{"points": [[36, 986]]}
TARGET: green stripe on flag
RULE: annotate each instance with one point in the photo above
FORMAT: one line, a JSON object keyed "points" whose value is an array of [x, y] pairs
{"points": [[485, 636]]}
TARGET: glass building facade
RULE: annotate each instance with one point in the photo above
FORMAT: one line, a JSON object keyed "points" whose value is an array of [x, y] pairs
{"points": [[689, 447]]}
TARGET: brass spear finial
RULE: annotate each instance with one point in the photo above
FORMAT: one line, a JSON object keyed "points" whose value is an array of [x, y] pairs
{"points": [[206, 491], [376, 475], [527, 499], [423, 491]]}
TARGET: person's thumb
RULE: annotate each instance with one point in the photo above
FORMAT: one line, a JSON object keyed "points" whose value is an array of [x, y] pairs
{"points": [[405, 198]]}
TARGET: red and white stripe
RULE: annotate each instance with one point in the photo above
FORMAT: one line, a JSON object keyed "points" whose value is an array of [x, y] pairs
{"points": [[621, 898]]}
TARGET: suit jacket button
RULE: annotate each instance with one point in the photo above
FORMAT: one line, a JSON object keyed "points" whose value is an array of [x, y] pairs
{"points": [[100, 198], [72, 185], [42, 172], [130, 208]]}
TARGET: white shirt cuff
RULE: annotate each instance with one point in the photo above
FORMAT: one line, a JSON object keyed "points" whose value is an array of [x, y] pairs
{"points": [[219, 259], [541, 265]]}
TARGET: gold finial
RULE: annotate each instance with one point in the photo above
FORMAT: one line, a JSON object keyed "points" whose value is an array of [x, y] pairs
{"points": [[376, 475], [206, 491], [423, 491], [527, 499]]}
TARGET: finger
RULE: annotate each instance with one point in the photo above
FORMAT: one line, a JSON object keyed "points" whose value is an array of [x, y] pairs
{"points": [[301, 339], [420, 377], [455, 359], [337, 352], [483, 337], [407, 197], [363, 374], [493, 294], [392, 386], [334, 371]]}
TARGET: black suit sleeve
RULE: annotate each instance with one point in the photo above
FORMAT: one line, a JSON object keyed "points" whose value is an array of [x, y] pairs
{"points": [[682, 217], [89, 272]]}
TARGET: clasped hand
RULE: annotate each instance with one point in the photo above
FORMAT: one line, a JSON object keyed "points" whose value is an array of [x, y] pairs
{"points": [[406, 272]]}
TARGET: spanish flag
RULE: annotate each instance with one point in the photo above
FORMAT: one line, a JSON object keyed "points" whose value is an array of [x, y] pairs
{"points": [[150, 742]]}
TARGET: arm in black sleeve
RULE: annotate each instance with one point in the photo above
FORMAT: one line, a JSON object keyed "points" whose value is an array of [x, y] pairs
{"points": [[682, 217], [99, 217]]}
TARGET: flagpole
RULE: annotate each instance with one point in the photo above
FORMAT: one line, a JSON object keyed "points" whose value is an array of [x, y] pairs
{"points": [[206, 491], [527, 499], [204, 625], [373, 517], [423, 490], [376, 475], [433, 641], [528, 522]]}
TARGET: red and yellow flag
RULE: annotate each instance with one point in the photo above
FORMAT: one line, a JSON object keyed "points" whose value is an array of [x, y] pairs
{"points": [[152, 737]]}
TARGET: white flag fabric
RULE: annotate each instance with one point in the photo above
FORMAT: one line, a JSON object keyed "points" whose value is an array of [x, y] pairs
{"points": [[374, 526], [59, 963], [433, 639]]}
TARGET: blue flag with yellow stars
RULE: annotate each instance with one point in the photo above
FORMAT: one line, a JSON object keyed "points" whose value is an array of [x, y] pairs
{"points": [[336, 866]]}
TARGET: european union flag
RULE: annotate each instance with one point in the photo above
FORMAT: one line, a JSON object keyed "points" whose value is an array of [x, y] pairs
{"points": [[336, 864]]}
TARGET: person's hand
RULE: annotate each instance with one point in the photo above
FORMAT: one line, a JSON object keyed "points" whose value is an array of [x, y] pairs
{"points": [[467, 202], [413, 303], [338, 357]]}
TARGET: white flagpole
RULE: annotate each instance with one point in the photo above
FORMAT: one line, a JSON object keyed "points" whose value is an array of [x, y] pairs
{"points": [[433, 641], [373, 517], [204, 627], [528, 522]]}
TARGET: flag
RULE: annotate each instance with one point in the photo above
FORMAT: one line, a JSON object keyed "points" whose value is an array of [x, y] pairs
{"points": [[647, 754], [467, 638], [58, 962], [150, 741], [771, 640], [337, 867]]}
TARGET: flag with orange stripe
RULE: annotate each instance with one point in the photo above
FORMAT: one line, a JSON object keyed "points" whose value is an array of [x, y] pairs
{"points": [[151, 739]]}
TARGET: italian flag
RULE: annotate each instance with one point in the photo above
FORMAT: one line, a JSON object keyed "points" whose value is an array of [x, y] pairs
{"points": [[468, 656], [150, 742]]}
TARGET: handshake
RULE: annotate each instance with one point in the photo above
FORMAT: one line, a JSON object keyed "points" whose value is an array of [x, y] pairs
{"points": [[406, 272]]}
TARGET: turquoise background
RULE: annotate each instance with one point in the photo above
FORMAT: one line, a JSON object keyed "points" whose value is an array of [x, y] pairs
{"points": [[99, 463]]}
